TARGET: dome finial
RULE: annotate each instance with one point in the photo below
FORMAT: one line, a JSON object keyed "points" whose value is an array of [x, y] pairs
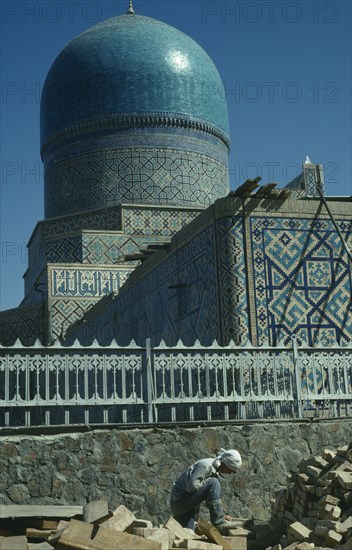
{"points": [[130, 10]]}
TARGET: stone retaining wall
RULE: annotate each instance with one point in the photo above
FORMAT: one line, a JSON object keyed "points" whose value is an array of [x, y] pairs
{"points": [[136, 467]]}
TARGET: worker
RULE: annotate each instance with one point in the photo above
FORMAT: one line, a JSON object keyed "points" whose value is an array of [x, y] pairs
{"points": [[200, 483]]}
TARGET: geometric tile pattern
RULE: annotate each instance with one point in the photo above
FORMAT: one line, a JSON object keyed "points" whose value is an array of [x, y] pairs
{"points": [[175, 301], [156, 221], [73, 290], [108, 249], [302, 280], [104, 220], [24, 323], [65, 312], [145, 175], [92, 237], [232, 281]]}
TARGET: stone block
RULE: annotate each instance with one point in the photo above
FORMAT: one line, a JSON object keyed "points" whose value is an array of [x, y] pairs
{"points": [[122, 518], [39, 546], [332, 539], [199, 545], [33, 533], [238, 532], [162, 536], [345, 480], [179, 531], [299, 531], [142, 523], [95, 510], [87, 536], [144, 532], [237, 543], [13, 543], [212, 533]]}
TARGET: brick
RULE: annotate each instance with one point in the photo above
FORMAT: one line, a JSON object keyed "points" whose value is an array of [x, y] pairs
{"points": [[95, 510], [319, 462], [321, 531], [299, 531], [345, 479], [342, 451], [344, 526], [13, 543], [328, 455], [329, 512], [328, 499], [345, 466], [331, 539], [313, 471], [121, 520]]}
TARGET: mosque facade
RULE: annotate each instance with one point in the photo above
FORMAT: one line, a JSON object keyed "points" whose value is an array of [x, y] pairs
{"points": [[142, 237]]}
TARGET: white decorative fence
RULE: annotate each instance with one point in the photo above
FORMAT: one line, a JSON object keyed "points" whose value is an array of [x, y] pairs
{"points": [[133, 385]]}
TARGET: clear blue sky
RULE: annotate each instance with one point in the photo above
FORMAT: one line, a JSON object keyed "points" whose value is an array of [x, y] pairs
{"points": [[286, 67]]}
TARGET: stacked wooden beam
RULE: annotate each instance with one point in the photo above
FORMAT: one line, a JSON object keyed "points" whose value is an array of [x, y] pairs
{"points": [[97, 528], [317, 505]]}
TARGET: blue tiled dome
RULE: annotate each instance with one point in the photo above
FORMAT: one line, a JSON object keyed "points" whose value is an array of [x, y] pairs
{"points": [[133, 111], [132, 65]]}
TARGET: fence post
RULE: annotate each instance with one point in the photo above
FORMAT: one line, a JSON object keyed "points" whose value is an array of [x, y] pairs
{"points": [[150, 384], [297, 376]]}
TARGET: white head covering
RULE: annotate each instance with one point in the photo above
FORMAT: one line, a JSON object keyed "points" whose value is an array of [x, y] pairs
{"points": [[231, 458]]}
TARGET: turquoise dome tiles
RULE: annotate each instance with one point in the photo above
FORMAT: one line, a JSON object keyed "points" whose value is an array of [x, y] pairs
{"points": [[133, 111], [132, 66]]}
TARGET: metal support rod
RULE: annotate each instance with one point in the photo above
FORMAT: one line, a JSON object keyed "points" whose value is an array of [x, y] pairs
{"points": [[345, 245], [150, 383], [297, 376]]}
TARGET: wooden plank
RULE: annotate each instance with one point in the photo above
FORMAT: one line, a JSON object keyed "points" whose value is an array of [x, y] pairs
{"points": [[212, 533], [85, 536], [39, 546], [36, 511], [42, 523], [32, 533]]}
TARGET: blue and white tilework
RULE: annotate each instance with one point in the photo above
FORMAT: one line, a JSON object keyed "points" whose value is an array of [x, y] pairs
{"points": [[302, 280]]}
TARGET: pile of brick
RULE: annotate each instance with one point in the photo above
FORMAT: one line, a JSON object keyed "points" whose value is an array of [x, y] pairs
{"points": [[317, 505], [100, 529]]}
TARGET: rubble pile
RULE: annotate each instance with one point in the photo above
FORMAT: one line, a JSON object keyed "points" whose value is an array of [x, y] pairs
{"points": [[316, 508], [97, 528]]}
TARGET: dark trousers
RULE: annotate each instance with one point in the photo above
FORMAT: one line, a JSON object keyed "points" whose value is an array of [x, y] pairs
{"points": [[185, 506]]}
